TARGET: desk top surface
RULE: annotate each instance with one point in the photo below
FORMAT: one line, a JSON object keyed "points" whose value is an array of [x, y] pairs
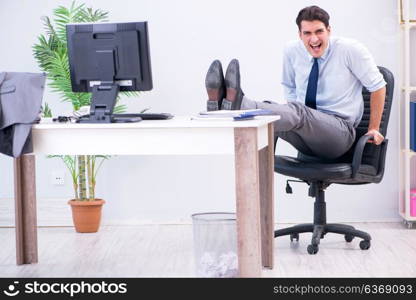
{"points": [[176, 122]]}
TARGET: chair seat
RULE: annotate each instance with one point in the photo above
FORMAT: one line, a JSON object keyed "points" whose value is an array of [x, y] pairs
{"points": [[307, 170]]}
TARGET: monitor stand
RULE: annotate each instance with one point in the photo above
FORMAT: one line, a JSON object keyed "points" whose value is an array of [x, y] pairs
{"points": [[102, 105]]}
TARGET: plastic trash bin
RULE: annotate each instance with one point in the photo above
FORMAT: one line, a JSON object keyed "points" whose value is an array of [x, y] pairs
{"points": [[215, 244]]}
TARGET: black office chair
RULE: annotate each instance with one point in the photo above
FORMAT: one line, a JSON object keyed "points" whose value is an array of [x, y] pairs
{"points": [[362, 164]]}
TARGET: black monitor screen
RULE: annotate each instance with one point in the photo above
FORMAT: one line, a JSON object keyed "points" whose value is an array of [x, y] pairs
{"points": [[109, 52]]}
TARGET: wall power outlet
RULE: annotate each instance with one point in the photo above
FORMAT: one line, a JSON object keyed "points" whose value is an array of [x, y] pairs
{"points": [[57, 178]]}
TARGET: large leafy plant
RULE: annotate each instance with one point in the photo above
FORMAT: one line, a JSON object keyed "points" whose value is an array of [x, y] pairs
{"points": [[52, 56]]}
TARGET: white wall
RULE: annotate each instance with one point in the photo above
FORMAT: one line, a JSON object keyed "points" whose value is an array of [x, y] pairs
{"points": [[185, 37]]}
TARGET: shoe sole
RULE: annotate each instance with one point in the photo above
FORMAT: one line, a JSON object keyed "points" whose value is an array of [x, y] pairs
{"points": [[214, 88]]}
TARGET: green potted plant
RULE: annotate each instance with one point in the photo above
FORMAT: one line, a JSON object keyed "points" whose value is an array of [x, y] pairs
{"points": [[51, 54]]}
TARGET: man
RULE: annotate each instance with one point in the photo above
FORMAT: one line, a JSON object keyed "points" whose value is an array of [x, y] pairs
{"points": [[322, 79]]}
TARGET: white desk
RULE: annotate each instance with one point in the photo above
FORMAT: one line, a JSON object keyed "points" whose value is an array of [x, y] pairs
{"points": [[251, 142]]}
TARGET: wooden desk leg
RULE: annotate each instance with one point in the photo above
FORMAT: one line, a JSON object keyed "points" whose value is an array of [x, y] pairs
{"points": [[248, 202], [266, 165], [25, 208]]}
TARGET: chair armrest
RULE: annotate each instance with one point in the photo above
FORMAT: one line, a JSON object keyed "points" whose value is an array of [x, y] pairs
{"points": [[358, 153], [275, 142]]}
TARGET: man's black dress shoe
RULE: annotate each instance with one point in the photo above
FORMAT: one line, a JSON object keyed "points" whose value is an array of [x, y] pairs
{"points": [[232, 85], [214, 83]]}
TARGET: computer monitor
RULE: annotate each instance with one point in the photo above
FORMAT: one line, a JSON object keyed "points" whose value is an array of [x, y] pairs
{"points": [[105, 58]]}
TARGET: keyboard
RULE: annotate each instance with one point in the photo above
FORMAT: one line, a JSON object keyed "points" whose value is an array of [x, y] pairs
{"points": [[144, 116], [128, 118]]}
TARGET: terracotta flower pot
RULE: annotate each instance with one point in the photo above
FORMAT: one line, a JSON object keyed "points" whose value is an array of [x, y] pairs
{"points": [[86, 214]]}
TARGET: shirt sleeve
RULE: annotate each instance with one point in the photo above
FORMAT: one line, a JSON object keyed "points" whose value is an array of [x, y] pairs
{"points": [[288, 77], [362, 65]]}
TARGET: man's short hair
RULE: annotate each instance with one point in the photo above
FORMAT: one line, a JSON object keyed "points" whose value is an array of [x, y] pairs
{"points": [[313, 13]]}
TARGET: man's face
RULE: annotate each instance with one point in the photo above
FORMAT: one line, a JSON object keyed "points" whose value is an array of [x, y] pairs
{"points": [[315, 37]]}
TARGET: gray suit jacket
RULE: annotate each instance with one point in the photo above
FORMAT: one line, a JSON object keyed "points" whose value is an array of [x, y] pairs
{"points": [[20, 104]]}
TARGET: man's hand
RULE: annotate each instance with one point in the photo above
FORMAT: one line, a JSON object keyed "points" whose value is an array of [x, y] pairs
{"points": [[378, 137]]}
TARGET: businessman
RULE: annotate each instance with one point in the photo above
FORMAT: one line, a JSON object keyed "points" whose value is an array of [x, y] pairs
{"points": [[322, 78]]}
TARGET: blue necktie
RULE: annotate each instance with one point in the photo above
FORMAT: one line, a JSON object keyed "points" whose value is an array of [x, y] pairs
{"points": [[310, 99]]}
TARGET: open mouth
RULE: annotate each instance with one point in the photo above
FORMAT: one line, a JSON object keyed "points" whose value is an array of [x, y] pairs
{"points": [[316, 48]]}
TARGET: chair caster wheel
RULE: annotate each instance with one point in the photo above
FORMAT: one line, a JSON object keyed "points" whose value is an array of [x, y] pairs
{"points": [[313, 249], [365, 245], [348, 238], [294, 236]]}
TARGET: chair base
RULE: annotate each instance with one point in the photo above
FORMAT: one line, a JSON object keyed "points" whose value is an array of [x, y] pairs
{"points": [[319, 231]]}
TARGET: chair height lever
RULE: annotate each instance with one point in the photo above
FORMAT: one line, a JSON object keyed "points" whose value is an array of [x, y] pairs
{"points": [[288, 187]]}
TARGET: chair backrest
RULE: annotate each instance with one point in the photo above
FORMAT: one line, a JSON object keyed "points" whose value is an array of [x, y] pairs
{"points": [[372, 153]]}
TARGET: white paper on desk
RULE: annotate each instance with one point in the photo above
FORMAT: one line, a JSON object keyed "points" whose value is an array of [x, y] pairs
{"points": [[212, 118], [222, 117], [225, 113], [235, 115]]}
